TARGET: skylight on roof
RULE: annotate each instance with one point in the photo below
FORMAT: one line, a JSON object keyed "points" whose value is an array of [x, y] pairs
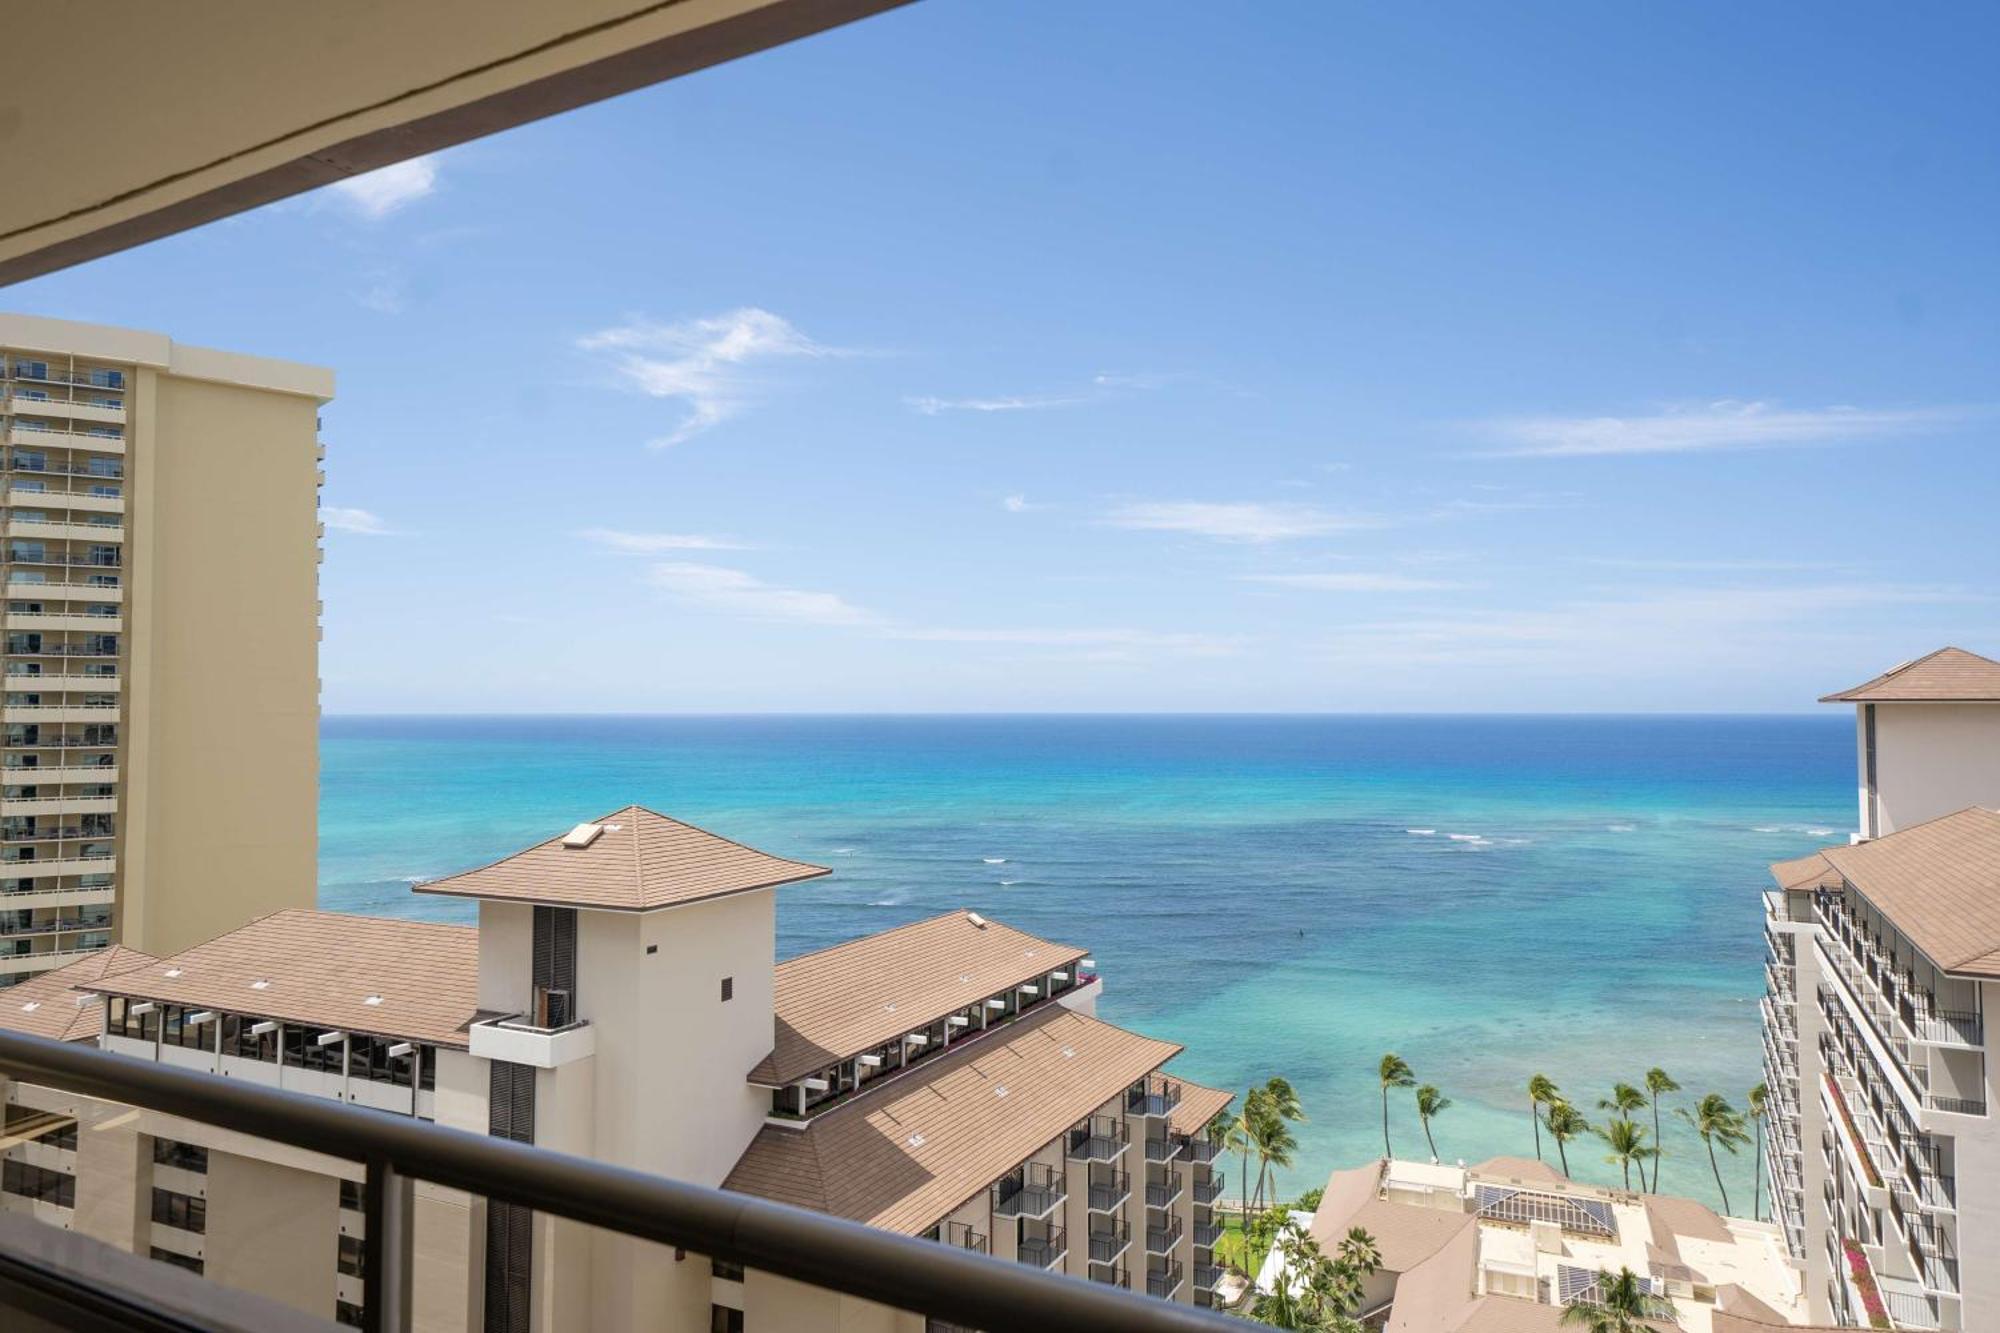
{"points": [[582, 835]]}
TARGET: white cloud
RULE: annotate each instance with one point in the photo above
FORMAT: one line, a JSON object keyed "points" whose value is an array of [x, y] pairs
{"points": [[744, 594], [1356, 582], [703, 363], [1710, 427], [1240, 521], [379, 193], [1016, 504], [361, 522], [654, 543], [931, 407]]}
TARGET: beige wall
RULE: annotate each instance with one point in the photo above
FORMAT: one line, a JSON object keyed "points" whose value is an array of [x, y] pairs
{"points": [[220, 772], [778, 1305], [272, 1230], [1931, 760]]}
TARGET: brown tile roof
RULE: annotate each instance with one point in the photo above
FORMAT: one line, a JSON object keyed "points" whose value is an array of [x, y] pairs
{"points": [[1806, 872], [852, 997], [1198, 1106], [60, 1004], [1406, 1233], [322, 968], [1669, 1216], [1939, 882], [642, 860], [1519, 1168], [1947, 675], [904, 1155]]}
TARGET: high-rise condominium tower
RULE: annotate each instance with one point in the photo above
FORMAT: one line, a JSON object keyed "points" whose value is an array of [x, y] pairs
{"points": [[161, 557]]}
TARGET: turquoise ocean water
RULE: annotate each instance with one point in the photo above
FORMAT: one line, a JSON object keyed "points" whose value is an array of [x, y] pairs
{"points": [[1487, 896]]}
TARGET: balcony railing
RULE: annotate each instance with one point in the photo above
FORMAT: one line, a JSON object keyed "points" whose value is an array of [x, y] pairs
{"points": [[1207, 1275], [962, 1236], [71, 1274], [1115, 1275], [1045, 1251], [1162, 1150], [1164, 1282], [1162, 1193], [1098, 1139], [1106, 1195], [1202, 1150], [1206, 1234], [1161, 1240], [1033, 1193], [1108, 1244], [1208, 1191], [1154, 1095]]}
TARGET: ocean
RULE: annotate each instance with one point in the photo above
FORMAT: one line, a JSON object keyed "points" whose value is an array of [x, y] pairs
{"points": [[1489, 897]]}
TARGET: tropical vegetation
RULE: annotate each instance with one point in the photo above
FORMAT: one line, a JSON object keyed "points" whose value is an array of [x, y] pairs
{"points": [[1619, 1305], [1430, 1105], [1393, 1072], [1318, 1293], [1716, 1122]]}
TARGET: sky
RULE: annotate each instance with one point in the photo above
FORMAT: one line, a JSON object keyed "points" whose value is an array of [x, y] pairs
{"points": [[1051, 357]]}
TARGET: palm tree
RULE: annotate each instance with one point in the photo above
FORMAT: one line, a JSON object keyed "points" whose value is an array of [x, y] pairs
{"points": [[1275, 1145], [1394, 1072], [1565, 1122], [1759, 1108], [1623, 1101], [1430, 1104], [1316, 1292], [1658, 1083], [1541, 1092], [1716, 1121], [1242, 1131], [1619, 1308], [1627, 1141]]}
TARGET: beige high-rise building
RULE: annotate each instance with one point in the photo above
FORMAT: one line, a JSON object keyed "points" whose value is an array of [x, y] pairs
{"points": [[161, 557]]}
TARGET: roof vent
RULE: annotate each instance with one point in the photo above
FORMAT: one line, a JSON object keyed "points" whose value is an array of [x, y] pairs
{"points": [[1000, 1090], [373, 999], [31, 1006], [976, 919], [582, 835], [173, 971], [260, 984], [916, 1140]]}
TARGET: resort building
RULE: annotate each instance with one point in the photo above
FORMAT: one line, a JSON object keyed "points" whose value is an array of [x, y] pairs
{"points": [[1884, 1163], [161, 560], [1508, 1245], [620, 999]]}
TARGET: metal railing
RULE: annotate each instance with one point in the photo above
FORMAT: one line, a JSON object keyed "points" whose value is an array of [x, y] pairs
{"points": [[1033, 1192], [1099, 1138], [944, 1282], [1045, 1251], [1106, 1195], [1164, 1282], [1109, 1244], [1163, 1192]]}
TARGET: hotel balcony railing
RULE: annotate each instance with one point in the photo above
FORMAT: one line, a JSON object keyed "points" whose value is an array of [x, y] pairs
{"points": [[1906, 1303], [1208, 1191], [1099, 1139], [1164, 1282], [1207, 1275], [1045, 1251], [1108, 1244], [1034, 1193], [1154, 1095], [1162, 1193], [1161, 1240], [961, 1235], [1206, 1234], [41, 466], [1203, 1150], [1113, 1275], [38, 372], [1778, 980], [1110, 1194], [1163, 1150], [54, 833], [74, 1281]]}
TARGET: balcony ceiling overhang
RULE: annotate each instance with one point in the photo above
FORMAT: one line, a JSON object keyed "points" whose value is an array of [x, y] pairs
{"points": [[122, 123]]}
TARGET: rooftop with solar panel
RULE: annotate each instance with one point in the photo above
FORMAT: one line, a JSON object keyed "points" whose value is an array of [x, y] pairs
{"points": [[1511, 1244]]}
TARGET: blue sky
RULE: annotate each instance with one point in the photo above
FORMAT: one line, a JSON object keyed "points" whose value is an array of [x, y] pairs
{"points": [[1055, 356]]}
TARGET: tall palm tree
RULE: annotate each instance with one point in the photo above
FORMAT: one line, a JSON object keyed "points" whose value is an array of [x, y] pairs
{"points": [[1627, 1141], [1716, 1121], [1760, 1106], [1281, 1107], [1241, 1134], [1565, 1122], [1619, 1308], [1658, 1084], [1394, 1072], [1541, 1092], [1623, 1101], [1430, 1104]]}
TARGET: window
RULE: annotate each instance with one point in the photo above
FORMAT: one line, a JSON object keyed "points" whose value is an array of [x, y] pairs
{"points": [[350, 1195], [303, 1051], [39, 1183], [187, 1261], [727, 1272], [186, 1156], [175, 1030], [353, 1256], [43, 1127], [728, 989], [185, 1211], [369, 1058], [240, 1039], [347, 1314], [722, 1319]]}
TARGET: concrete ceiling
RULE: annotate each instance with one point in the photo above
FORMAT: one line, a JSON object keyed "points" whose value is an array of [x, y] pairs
{"points": [[122, 122]]}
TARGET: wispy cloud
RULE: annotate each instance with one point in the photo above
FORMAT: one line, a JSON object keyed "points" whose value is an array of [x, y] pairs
{"points": [[1679, 566], [1710, 427], [1357, 581], [702, 363], [1235, 521], [656, 543], [1016, 504], [741, 593], [932, 407], [379, 193], [361, 522]]}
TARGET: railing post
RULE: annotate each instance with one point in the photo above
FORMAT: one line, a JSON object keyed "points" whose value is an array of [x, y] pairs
{"points": [[389, 1205]]}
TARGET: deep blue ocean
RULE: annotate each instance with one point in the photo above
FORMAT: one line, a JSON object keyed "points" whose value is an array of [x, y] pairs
{"points": [[1490, 897]]}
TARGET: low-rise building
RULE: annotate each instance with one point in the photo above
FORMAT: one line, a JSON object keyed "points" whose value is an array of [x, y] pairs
{"points": [[620, 999], [1508, 1245]]}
